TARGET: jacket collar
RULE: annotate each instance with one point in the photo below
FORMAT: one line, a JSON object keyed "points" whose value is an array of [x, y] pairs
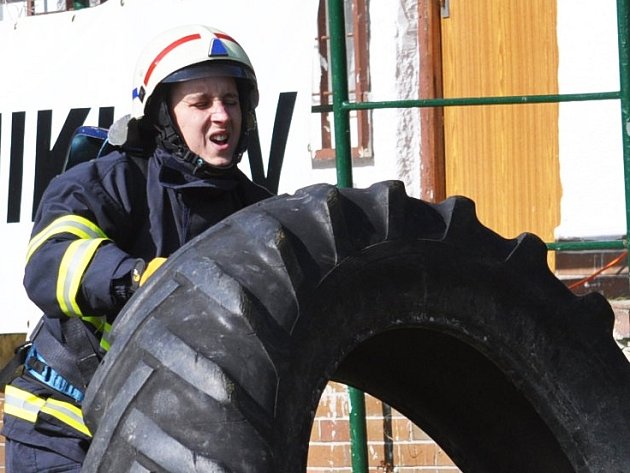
{"points": [[173, 173]]}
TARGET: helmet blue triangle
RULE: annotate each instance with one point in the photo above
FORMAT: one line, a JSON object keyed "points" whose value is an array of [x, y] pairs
{"points": [[217, 48]]}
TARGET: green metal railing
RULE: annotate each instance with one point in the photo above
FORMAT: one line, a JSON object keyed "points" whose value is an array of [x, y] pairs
{"points": [[341, 109]]}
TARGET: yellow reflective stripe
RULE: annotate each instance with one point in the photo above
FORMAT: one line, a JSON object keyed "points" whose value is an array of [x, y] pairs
{"points": [[25, 405], [79, 226], [71, 270], [99, 322], [101, 325], [22, 404], [66, 413], [105, 345], [105, 338]]}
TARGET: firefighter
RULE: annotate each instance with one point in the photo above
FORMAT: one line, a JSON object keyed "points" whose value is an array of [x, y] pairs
{"points": [[104, 226]]}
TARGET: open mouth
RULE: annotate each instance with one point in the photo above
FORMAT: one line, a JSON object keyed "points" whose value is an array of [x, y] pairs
{"points": [[220, 138]]}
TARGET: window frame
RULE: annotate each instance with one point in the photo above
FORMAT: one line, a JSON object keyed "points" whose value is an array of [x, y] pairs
{"points": [[359, 86], [69, 6]]}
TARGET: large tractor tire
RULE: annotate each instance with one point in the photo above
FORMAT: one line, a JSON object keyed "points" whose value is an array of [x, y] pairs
{"points": [[218, 364]]}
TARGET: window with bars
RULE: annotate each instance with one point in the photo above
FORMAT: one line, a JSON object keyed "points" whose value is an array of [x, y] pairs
{"points": [[38, 7], [322, 147]]}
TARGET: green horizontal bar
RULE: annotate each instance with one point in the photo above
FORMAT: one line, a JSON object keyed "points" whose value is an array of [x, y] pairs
{"points": [[588, 245], [453, 102]]}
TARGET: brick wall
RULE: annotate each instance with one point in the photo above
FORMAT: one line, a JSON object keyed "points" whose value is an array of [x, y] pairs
{"points": [[329, 452], [394, 443], [575, 266]]}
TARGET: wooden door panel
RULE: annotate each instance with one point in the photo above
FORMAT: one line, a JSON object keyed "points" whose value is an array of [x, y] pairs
{"points": [[505, 157]]}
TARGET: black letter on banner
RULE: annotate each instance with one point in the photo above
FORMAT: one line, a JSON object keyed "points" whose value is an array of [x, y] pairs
{"points": [[105, 117], [282, 123], [49, 162], [16, 166]]}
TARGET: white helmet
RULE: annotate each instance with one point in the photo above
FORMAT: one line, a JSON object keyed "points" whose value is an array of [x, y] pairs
{"points": [[169, 57], [181, 54]]}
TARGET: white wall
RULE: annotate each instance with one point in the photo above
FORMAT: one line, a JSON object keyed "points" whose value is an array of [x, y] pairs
{"points": [[10, 12], [85, 59], [394, 75], [591, 160]]}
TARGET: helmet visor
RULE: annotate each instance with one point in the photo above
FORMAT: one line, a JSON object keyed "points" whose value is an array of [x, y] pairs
{"points": [[210, 69]]}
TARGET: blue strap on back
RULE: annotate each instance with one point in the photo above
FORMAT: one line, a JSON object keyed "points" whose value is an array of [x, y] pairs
{"points": [[36, 366]]}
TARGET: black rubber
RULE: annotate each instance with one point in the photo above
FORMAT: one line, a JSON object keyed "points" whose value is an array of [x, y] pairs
{"points": [[218, 363]]}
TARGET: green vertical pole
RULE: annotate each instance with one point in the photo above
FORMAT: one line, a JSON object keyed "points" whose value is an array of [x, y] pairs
{"points": [[623, 17], [341, 117], [339, 72], [358, 430]]}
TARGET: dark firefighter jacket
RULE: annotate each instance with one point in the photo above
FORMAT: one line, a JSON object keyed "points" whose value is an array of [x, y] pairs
{"points": [[94, 224]]}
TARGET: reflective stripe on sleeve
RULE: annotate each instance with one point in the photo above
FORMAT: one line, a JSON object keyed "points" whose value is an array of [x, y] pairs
{"points": [[26, 406], [79, 226], [71, 271]]}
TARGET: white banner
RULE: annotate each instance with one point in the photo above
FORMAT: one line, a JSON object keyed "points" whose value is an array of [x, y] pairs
{"points": [[63, 70]]}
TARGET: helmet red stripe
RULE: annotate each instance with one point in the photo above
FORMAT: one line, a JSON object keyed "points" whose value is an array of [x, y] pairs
{"points": [[167, 50], [225, 36]]}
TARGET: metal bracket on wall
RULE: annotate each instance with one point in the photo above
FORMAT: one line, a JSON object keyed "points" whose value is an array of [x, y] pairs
{"points": [[445, 8]]}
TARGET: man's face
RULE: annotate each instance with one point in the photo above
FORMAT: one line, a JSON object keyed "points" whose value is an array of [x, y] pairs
{"points": [[208, 114]]}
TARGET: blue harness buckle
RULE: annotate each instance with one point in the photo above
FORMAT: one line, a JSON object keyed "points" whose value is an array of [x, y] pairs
{"points": [[36, 366]]}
